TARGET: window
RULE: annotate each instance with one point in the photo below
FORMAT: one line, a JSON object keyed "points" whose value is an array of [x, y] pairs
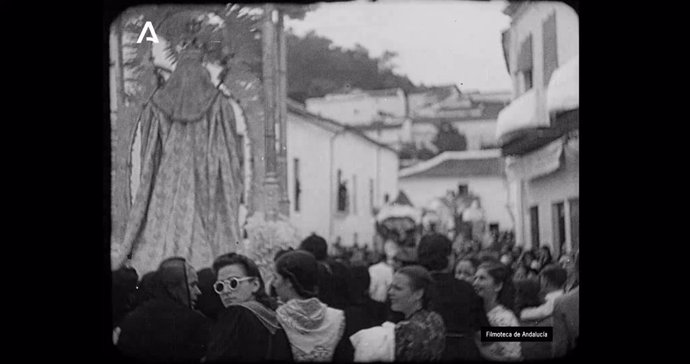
{"points": [[298, 189], [462, 190], [342, 193], [371, 194], [354, 194], [534, 225], [574, 205], [527, 79], [524, 67], [558, 218], [550, 47]]}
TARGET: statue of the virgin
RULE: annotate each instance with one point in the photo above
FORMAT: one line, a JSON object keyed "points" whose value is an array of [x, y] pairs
{"points": [[188, 199]]}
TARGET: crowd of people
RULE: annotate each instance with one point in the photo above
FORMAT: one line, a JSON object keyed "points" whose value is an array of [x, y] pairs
{"points": [[423, 304]]}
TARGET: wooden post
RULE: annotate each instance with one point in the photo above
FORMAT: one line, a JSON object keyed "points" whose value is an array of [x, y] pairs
{"points": [[120, 189], [271, 186], [284, 203]]}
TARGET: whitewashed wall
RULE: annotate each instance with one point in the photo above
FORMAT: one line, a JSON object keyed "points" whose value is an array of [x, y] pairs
{"points": [[311, 145], [362, 160], [319, 164], [356, 109]]}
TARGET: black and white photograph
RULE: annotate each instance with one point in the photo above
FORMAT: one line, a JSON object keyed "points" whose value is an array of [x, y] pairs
{"points": [[355, 181]]}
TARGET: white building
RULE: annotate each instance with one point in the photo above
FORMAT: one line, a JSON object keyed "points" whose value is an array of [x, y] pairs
{"points": [[538, 131], [323, 155], [474, 115], [359, 107], [480, 172], [428, 101], [475, 119]]}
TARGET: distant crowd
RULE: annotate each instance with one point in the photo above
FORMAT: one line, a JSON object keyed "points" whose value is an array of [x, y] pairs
{"points": [[426, 303]]}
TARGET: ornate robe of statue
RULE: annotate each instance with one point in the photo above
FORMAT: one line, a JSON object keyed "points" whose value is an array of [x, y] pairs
{"points": [[188, 199]]}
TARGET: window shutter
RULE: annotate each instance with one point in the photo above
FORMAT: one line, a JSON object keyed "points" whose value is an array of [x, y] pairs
{"points": [[505, 39], [525, 55], [550, 47]]}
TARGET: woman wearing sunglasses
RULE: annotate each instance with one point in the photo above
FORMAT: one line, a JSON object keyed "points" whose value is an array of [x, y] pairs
{"points": [[247, 328]]}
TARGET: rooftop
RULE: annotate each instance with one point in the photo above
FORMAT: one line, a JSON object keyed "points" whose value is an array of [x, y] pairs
{"points": [[472, 163], [297, 108], [353, 93]]}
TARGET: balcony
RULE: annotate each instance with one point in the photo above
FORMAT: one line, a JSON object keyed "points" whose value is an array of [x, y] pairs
{"points": [[520, 114], [519, 129], [563, 94]]}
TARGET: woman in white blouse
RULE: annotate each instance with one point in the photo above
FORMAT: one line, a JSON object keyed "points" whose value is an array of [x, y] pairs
{"points": [[492, 282]]}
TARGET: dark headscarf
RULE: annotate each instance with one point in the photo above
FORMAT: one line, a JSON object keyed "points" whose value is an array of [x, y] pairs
{"points": [[170, 279], [189, 92], [209, 302], [359, 282]]}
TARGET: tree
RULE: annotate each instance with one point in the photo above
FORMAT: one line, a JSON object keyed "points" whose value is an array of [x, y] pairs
{"points": [[316, 67], [425, 154], [448, 138]]}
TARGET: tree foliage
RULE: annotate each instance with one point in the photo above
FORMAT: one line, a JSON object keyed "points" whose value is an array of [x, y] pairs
{"points": [[315, 67], [449, 138]]}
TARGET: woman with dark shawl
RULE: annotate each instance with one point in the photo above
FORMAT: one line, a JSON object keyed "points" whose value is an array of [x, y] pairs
{"points": [[421, 336], [187, 202], [166, 328], [247, 329]]}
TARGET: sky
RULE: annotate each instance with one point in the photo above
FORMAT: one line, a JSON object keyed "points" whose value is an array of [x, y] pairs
{"points": [[439, 42]]}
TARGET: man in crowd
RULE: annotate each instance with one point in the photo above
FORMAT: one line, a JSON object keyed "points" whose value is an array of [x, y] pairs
{"points": [[455, 300], [166, 328], [382, 273], [552, 280], [566, 318], [332, 276]]}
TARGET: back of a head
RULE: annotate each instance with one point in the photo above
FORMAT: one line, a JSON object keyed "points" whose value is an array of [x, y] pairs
{"points": [[301, 268], [554, 275], [433, 251], [407, 256], [315, 245], [359, 281], [487, 257], [170, 276], [280, 253], [206, 279], [420, 278], [209, 302], [526, 293]]}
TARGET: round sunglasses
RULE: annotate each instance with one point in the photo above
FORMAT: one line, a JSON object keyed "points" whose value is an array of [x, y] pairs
{"points": [[228, 284]]}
